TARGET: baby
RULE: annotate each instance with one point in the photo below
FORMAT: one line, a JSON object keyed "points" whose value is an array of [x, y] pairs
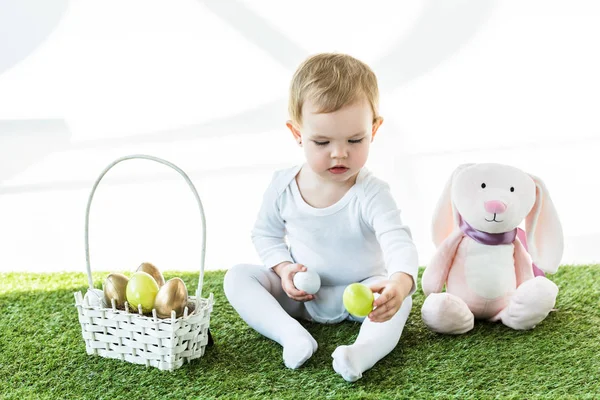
{"points": [[332, 216]]}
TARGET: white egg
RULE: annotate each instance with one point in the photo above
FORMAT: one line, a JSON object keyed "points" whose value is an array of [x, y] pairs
{"points": [[309, 281], [95, 298]]}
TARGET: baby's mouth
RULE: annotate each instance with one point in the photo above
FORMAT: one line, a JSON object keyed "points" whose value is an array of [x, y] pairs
{"points": [[338, 169]]}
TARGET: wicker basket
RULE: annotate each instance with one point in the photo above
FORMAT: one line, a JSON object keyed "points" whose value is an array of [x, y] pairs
{"points": [[136, 338]]}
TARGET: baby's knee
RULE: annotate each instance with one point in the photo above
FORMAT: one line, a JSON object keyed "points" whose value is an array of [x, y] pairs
{"points": [[233, 276], [240, 276]]}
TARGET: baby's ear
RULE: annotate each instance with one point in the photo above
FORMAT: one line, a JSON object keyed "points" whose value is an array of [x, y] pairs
{"points": [[376, 124], [295, 131]]}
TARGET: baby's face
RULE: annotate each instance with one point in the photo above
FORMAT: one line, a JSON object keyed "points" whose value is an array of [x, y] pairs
{"points": [[337, 144]]}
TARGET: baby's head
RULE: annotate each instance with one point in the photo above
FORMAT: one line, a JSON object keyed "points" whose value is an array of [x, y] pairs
{"points": [[334, 115]]}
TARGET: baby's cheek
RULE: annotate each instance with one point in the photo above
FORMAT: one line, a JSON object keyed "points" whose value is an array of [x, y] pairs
{"points": [[317, 161], [363, 154]]}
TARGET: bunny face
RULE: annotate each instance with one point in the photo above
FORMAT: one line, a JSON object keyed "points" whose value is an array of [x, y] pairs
{"points": [[493, 198], [481, 195]]}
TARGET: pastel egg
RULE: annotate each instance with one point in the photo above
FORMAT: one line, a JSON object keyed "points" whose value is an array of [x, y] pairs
{"points": [[153, 271], [115, 287], [95, 298], [308, 280], [172, 296], [141, 291]]}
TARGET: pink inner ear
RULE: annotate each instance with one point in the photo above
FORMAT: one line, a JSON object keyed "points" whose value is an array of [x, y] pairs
{"points": [[523, 238]]}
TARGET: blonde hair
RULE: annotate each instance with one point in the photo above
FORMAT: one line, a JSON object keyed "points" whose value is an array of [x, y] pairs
{"points": [[332, 81]]}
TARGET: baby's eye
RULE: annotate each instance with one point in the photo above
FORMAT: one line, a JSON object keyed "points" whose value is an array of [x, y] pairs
{"points": [[355, 140], [321, 143]]}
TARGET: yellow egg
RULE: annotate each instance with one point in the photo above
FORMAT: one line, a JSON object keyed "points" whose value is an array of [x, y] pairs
{"points": [[115, 286], [153, 271], [172, 296], [142, 290]]}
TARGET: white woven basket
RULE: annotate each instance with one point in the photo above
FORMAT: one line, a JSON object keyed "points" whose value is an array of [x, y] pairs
{"points": [[136, 338]]}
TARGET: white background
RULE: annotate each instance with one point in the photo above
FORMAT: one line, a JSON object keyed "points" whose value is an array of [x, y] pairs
{"points": [[204, 84]]}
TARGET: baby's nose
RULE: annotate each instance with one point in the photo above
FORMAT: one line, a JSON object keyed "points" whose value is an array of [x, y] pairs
{"points": [[339, 152], [494, 207]]}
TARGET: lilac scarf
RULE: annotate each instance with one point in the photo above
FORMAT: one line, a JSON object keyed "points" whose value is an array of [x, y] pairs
{"points": [[494, 239]]}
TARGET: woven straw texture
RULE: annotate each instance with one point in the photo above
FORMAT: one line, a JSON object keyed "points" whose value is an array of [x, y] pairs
{"points": [[140, 339]]}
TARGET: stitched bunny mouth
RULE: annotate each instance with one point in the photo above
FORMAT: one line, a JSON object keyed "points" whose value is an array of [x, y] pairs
{"points": [[493, 220]]}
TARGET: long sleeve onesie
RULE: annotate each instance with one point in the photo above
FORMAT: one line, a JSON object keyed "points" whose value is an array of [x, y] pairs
{"points": [[359, 237]]}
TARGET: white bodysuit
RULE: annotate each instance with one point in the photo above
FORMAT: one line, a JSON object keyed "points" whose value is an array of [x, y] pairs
{"points": [[359, 237]]}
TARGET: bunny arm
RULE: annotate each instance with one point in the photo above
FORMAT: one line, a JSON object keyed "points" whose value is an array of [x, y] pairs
{"points": [[436, 273], [523, 267]]}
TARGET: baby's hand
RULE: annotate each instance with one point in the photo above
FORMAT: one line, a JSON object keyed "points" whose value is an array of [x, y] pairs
{"points": [[286, 272], [392, 294]]}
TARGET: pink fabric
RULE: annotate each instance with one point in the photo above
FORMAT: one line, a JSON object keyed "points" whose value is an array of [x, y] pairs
{"points": [[457, 285], [436, 273], [491, 275], [523, 266], [523, 238], [447, 267], [494, 207]]}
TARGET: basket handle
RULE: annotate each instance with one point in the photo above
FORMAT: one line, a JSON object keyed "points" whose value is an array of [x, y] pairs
{"points": [[190, 184]]}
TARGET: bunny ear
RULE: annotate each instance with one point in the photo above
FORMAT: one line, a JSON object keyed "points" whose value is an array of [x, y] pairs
{"points": [[445, 216], [544, 231]]}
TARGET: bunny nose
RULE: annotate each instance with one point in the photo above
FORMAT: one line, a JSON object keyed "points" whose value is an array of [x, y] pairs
{"points": [[494, 207]]}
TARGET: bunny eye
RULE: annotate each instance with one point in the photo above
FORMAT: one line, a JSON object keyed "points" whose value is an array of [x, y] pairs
{"points": [[512, 189], [483, 185]]}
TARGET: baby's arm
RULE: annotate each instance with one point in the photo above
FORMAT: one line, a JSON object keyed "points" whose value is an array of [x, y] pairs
{"points": [[268, 236], [400, 253], [393, 292]]}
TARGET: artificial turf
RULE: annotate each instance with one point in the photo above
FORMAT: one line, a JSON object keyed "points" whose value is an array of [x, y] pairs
{"points": [[42, 353]]}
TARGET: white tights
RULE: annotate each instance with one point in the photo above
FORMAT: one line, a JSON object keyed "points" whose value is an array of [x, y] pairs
{"points": [[255, 292]]}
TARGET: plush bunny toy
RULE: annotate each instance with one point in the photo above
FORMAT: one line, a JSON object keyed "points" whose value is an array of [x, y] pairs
{"points": [[482, 258]]}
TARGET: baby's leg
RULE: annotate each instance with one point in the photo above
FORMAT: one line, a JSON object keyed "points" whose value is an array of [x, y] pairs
{"points": [[375, 341], [255, 292]]}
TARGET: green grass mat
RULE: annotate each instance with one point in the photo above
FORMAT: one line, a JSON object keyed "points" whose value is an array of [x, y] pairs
{"points": [[42, 354]]}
